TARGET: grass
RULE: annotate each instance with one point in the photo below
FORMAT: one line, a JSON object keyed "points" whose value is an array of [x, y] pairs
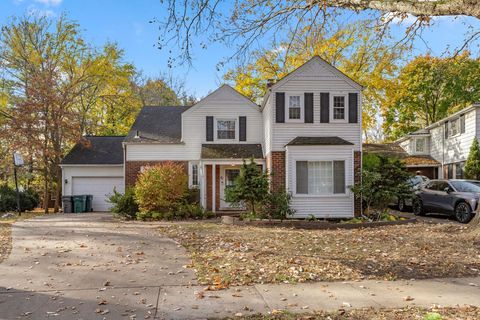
{"points": [[412, 313], [225, 255]]}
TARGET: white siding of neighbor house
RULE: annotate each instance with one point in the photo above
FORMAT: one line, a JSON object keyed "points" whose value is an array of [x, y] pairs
{"points": [[224, 103], [406, 145], [267, 125], [454, 149], [93, 171], [325, 206], [315, 76], [409, 145]]}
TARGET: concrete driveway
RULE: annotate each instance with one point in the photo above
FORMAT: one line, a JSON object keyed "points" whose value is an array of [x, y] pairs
{"points": [[88, 266]]}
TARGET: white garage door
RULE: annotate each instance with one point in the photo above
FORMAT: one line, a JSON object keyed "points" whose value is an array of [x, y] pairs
{"points": [[99, 187]]}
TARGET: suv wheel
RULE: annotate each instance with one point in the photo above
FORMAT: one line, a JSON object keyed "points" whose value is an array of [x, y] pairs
{"points": [[401, 205], [417, 207], [463, 212]]}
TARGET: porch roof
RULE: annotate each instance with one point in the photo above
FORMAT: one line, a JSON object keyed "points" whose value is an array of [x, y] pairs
{"points": [[420, 160], [232, 151], [318, 141]]}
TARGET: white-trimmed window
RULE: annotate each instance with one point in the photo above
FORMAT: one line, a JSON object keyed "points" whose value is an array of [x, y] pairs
{"points": [[420, 145], [294, 106], [338, 107], [194, 175], [454, 127], [226, 129], [320, 177]]}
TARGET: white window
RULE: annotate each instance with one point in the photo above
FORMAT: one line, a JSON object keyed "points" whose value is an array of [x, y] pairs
{"points": [[195, 175], [338, 107], [454, 127], [226, 129], [320, 177], [420, 144], [294, 106]]}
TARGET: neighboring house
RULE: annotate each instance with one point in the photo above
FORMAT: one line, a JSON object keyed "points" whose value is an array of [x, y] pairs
{"points": [[441, 149], [306, 133]]}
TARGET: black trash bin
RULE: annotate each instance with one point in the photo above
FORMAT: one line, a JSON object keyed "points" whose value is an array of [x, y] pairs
{"points": [[67, 204], [89, 207]]}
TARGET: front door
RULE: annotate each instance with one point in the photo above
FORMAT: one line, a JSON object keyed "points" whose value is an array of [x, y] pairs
{"points": [[227, 180]]}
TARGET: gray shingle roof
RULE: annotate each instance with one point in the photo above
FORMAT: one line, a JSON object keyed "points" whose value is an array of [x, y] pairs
{"points": [[318, 141], [158, 124], [231, 151], [96, 150]]}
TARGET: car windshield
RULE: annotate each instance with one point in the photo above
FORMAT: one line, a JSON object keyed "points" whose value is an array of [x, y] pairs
{"points": [[465, 186]]}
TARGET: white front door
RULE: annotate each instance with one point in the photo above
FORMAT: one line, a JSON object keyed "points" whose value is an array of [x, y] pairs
{"points": [[228, 174]]}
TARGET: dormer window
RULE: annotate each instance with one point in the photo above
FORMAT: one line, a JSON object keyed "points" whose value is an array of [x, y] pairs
{"points": [[454, 127], [295, 107], [420, 145]]}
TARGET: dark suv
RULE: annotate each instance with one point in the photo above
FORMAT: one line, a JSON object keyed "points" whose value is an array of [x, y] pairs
{"points": [[458, 198]]}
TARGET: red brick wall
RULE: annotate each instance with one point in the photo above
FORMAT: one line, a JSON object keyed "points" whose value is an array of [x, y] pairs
{"points": [[132, 169], [357, 171], [208, 193], [276, 167], [217, 187]]}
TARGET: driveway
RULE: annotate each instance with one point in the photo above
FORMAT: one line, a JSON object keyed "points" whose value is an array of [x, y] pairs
{"points": [[88, 266]]}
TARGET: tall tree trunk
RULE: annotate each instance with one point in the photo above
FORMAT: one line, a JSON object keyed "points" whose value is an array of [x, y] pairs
{"points": [[45, 189], [58, 188]]}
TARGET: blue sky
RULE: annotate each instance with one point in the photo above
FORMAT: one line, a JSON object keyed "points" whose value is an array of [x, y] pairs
{"points": [[127, 23]]}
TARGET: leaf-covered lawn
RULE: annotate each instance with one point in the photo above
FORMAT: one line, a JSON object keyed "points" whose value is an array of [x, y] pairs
{"points": [[465, 313], [5, 240], [225, 255]]}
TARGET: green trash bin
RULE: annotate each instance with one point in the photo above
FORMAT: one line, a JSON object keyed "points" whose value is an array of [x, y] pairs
{"points": [[88, 206], [79, 204]]}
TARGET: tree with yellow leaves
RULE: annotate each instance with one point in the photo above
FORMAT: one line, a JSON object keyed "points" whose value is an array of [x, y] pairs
{"points": [[354, 49]]}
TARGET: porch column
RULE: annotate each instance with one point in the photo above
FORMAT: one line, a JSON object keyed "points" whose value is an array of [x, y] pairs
{"points": [[214, 187]]}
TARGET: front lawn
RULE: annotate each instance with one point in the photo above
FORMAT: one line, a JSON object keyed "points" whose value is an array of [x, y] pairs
{"points": [[466, 312], [225, 255]]}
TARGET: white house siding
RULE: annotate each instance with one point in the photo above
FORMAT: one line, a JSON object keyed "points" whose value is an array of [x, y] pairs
{"points": [[406, 144], [267, 125], [453, 149], [315, 77], [325, 206], [224, 103]]}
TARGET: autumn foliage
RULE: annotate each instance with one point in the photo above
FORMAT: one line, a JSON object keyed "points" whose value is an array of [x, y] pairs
{"points": [[161, 188]]}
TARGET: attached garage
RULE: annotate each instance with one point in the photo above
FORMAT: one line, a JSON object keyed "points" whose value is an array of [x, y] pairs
{"points": [[94, 166], [99, 187]]}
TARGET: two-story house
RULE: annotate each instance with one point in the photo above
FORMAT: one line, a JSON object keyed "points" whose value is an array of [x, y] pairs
{"points": [[306, 134], [441, 149]]}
